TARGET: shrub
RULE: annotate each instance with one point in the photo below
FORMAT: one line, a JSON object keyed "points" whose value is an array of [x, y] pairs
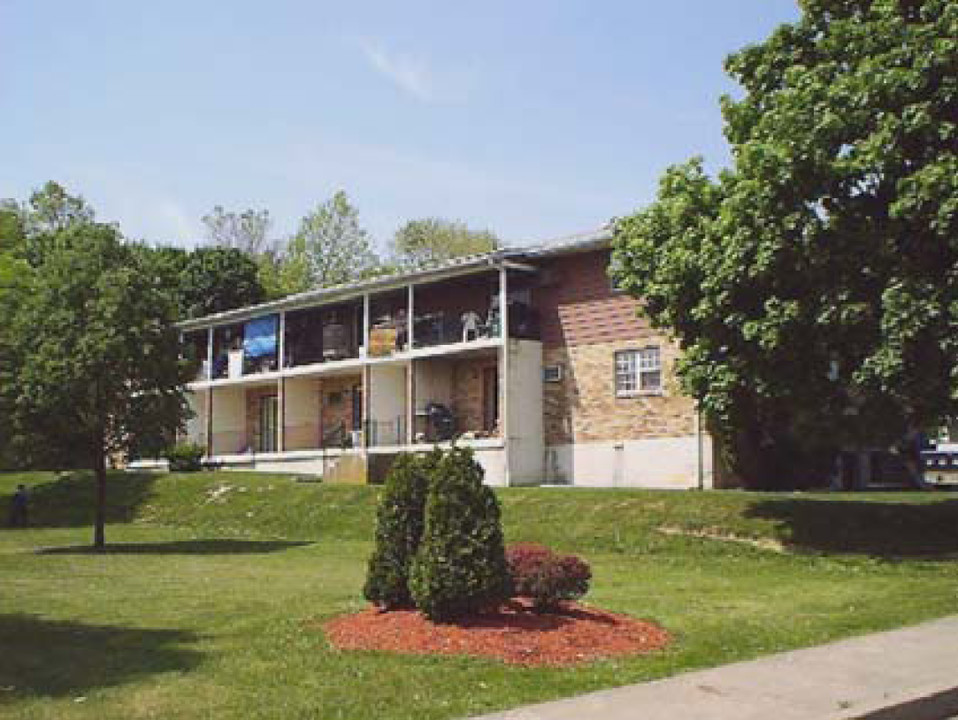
{"points": [[545, 577], [460, 566], [399, 526], [185, 457]]}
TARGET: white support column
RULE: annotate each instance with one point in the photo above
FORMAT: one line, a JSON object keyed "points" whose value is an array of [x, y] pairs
{"points": [[367, 378], [366, 323], [281, 413], [410, 402], [410, 315], [281, 384], [209, 391], [209, 421], [281, 342], [209, 354], [504, 367], [367, 391]]}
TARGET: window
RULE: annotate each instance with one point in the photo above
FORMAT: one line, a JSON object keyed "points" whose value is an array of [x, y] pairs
{"points": [[638, 372], [552, 373]]}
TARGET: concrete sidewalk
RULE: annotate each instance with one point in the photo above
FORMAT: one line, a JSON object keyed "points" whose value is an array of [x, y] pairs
{"points": [[908, 674]]}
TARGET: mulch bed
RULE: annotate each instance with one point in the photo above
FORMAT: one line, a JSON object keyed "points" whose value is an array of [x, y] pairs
{"points": [[514, 634]]}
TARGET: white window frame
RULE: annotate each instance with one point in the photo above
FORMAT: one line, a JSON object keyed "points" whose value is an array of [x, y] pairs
{"points": [[630, 367], [552, 373]]}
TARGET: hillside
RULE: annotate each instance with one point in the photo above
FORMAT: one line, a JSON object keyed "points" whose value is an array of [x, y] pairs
{"points": [[629, 521]]}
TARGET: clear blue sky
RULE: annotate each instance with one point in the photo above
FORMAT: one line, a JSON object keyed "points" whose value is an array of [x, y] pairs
{"points": [[534, 118]]}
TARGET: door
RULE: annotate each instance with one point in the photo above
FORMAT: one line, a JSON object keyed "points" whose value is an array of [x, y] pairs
{"points": [[490, 398], [268, 423], [357, 398]]}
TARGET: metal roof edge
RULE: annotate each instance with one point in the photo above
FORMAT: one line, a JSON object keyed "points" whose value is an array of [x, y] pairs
{"points": [[461, 265]]}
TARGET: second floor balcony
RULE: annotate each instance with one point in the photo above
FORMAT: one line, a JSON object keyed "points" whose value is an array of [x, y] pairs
{"points": [[455, 312]]}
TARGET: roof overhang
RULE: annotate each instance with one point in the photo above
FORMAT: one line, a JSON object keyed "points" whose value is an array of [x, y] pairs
{"points": [[512, 258]]}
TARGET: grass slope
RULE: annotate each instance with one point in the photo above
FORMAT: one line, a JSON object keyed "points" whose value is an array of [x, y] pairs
{"points": [[206, 603]]}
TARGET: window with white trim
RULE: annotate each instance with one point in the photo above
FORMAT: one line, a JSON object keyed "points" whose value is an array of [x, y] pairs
{"points": [[638, 372], [552, 373]]}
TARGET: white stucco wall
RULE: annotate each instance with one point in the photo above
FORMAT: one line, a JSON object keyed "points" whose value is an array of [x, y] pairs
{"points": [[387, 398], [229, 420], [524, 407], [301, 413], [651, 463]]}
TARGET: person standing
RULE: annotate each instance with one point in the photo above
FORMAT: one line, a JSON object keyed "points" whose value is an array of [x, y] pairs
{"points": [[18, 507]]}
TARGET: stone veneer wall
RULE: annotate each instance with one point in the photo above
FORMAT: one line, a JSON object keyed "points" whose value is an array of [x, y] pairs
{"points": [[583, 407]]}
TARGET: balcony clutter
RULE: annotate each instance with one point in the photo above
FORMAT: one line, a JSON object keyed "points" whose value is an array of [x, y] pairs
{"points": [[321, 335]]}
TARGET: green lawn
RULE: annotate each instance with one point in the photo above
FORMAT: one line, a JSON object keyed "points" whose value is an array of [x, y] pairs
{"points": [[204, 606]]}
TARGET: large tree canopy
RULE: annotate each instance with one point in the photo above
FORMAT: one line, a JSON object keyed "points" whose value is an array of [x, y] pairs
{"points": [[814, 285], [247, 230], [420, 242], [51, 209], [213, 279], [15, 275], [99, 369], [330, 247]]}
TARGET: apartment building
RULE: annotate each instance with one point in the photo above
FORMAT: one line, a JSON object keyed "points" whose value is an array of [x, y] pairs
{"points": [[528, 355]]}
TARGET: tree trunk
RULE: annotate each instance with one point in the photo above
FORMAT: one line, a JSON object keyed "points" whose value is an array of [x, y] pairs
{"points": [[99, 523]]}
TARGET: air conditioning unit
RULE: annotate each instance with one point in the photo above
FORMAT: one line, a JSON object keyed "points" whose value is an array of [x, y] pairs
{"points": [[552, 373]]}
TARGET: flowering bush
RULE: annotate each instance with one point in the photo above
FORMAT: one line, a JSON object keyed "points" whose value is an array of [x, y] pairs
{"points": [[545, 577]]}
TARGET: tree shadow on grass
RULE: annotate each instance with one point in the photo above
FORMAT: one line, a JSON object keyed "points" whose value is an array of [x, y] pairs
{"points": [[51, 658], [70, 500], [881, 529], [180, 547]]}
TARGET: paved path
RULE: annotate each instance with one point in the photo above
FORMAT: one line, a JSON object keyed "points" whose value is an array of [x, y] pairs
{"points": [[908, 674]]}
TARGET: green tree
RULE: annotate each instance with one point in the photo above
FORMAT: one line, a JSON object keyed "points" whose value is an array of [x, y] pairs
{"points": [[100, 370], [214, 279], [460, 566], [51, 209], [247, 231], [330, 247], [283, 273], [12, 233], [15, 275], [812, 286], [429, 240], [400, 519]]}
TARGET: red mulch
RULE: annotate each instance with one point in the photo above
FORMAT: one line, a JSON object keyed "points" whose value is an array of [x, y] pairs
{"points": [[514, 634]]}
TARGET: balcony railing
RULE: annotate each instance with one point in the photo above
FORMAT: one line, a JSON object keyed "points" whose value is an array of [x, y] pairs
{"points": [[329, 336], [386, 432]]}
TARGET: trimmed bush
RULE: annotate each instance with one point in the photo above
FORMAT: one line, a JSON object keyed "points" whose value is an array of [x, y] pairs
{"points": [[460, 566], [185, 457], [545, 577], [400, 518]]}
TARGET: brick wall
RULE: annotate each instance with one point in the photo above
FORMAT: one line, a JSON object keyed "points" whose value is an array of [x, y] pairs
{"points": [[467, 393], [584, 323], [577, 306], [340, 412]]}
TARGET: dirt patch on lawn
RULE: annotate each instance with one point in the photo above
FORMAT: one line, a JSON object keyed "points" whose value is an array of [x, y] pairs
{"points": [[706, 534], [513, 634]]}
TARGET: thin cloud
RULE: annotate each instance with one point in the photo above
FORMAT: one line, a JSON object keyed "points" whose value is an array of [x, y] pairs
{"points": [[409, 74]]}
